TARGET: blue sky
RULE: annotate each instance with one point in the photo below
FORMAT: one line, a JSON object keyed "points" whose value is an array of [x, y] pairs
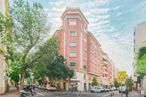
{"points": [[112, 22]]}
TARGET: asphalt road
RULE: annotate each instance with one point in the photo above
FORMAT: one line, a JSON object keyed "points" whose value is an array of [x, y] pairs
{"points": [[71, 94]]}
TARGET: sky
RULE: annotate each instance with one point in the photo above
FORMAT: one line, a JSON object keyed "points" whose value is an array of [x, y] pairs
{"points": [[112, 22]]}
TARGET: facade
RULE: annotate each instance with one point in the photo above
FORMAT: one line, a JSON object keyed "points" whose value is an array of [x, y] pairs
{"points": [[139, 41], [81, 50], [107, 71], [3, 10], [94, 60]]}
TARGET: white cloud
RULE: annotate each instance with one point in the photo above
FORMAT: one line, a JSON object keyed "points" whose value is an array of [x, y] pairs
{"points": [[57, 9], [102, 1], [102, 10]]}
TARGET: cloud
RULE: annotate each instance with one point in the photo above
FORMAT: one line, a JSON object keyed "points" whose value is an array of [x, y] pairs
{"points": [[102, 10], [56, 9], [102, 1]]}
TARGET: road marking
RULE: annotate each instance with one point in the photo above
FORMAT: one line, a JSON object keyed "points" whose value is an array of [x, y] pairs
{"points": [[40, 94]]}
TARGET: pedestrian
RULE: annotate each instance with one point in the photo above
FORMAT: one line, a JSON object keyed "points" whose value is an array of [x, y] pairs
{"points": [[126, 92]]}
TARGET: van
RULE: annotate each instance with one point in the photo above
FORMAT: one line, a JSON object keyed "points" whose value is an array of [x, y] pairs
{"points": [[122, 89]]}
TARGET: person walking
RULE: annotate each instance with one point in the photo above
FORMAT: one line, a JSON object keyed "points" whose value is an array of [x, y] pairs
{"points": [[126, 92]]}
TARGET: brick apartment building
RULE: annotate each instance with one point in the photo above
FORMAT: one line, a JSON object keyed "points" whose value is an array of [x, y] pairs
{"points": [[82, 51]]}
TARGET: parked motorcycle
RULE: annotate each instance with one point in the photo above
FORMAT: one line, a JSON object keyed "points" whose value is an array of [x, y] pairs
{"points": [[28, 91]]}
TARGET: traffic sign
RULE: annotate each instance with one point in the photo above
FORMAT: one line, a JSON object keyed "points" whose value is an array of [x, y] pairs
{"points": [[122, 76]]}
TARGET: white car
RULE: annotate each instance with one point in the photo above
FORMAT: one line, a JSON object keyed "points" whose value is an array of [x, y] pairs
{"points": [[122, 89], [96, 89], [51, 88]]}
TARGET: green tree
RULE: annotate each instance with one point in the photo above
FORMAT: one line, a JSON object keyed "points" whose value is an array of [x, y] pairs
{"points": [[51, 64], [94, 82], [116, 83], [141, 66], [129, 83], [142, 52], [21, 33]]}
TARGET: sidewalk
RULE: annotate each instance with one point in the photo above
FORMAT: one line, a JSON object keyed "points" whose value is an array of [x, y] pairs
{"points": [[10, 94], [131, 94]]}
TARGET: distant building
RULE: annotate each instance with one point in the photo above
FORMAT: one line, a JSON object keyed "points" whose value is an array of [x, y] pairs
{"points": [[94, 59], [107, 71], [81, 49], [3, 10]]}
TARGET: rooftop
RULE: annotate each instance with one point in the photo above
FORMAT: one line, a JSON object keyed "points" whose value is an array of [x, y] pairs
{"points": [[74, 10]]}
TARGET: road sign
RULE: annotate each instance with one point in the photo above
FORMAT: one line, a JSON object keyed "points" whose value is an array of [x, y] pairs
{"points": [[122, 76]]}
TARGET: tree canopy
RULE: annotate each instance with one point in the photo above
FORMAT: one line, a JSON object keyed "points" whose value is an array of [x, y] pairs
{"points": [[51, 64], [142, 52], [141, 66], [94, 82], [21, 33]]}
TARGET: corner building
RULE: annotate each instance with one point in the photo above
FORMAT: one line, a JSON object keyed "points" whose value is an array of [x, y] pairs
{"points": [[81, 50]]}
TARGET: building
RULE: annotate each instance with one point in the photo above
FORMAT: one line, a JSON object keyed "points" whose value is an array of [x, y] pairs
{"points": [[73, 46], [81, 50], [3, 10], [139, 41], [107, 71], [94, 59]]}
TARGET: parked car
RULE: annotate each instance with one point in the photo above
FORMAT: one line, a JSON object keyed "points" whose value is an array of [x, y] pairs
{"points": [[51, 88], [107, 89], [102, 89], [122, 89], [113, 89], [96, 89]]}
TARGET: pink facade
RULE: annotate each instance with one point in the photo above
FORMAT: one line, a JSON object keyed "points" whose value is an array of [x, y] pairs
{"points": [[94, 58], [80, 48], [107, 71]]}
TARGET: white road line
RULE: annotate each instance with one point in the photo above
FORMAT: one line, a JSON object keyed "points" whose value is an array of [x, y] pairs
{"points": [[40, 94]]}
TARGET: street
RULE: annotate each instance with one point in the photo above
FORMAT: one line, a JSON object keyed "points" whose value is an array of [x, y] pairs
{"points": [[41, 93], [45, 93]]}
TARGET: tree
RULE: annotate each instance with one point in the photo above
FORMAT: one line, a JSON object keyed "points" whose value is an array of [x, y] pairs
{"points": [[22, 31], [141, 66], [94, 82], [129, 83], [116, 84], [142, 52], [51, 64], [57, 70]]}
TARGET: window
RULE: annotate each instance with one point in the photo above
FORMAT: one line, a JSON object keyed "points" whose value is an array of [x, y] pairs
{"points": [[72, 63], [72, 23], [72, 44], [72, 54], [72, 33]]}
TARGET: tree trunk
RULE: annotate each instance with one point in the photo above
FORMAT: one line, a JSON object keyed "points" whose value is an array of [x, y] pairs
{"points": [[22, 80], [17, 86]]}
